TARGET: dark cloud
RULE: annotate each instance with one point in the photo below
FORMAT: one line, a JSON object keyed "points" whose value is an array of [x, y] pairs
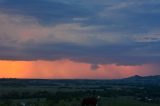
{"points": [[118, 16], [143, 53], [45, 11], [112, 29], [128, 17], [94, 66]]}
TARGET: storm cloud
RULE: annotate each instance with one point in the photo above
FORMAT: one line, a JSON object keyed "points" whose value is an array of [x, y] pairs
{"points": [[122, 32]]}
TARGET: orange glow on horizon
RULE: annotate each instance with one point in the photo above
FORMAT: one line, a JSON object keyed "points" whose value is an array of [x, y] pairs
{"points": [[66, 69]]}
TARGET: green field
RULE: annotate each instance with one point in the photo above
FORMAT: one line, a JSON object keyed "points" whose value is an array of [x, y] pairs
{"points": [[124, 101], [72, 92], [116, 101]]}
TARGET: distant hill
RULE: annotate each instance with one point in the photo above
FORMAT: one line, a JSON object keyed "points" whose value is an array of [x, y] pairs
{"points": [[133, 80], [157, 77], [136, 77], [151, 80]]}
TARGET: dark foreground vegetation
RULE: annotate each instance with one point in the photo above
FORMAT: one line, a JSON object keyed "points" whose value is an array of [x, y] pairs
{"points": [[133, 91]]}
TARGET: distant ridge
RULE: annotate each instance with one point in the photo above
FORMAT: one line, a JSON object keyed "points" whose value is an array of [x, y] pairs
{"points": [[134, 77], [138, 77], [141, 80], [133, 80], [128, 78]]}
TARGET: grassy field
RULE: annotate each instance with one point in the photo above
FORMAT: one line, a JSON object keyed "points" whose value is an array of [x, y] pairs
{"points": [[118, 101], [71, 93], [124, 101]]}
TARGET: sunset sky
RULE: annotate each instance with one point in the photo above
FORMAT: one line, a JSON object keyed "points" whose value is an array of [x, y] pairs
{"points": [[79, 39]]}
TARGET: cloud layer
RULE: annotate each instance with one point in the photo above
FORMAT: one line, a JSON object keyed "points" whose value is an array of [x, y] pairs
{"points": [[122, 32]]}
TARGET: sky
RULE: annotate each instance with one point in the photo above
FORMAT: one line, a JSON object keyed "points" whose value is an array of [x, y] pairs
{"points": [[79, 39]]}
